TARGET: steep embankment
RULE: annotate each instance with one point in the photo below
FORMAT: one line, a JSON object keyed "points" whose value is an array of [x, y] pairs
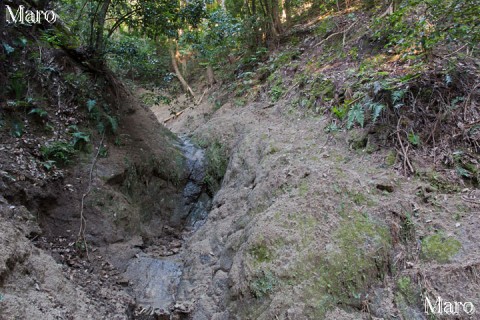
{"points": [[87, 176], [306, 227], [313, 221]]}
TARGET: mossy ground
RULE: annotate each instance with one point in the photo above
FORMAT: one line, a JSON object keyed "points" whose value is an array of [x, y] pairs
{"points": [[440, 247]]}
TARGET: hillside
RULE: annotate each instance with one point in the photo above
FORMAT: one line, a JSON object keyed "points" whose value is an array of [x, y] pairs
{"points": [[324, 168]]}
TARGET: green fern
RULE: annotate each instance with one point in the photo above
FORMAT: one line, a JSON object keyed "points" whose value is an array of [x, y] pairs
{"points": [[376, 109], [340, 111], [356, 115], [113, 122]]}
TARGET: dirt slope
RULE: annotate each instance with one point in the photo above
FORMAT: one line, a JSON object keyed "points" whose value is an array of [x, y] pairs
{"points": [[315, 225], [49, 267]]}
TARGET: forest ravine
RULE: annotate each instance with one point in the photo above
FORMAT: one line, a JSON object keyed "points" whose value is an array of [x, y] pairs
{"points": [[240, 160]]}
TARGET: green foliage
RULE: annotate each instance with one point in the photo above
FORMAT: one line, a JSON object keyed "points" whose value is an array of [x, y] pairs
{"points": [[60, 152], [137, 59], [276, 92], [17, 86], [38, 112], [17, 129], [419, 26], [439, 247], [331, 127], [112, 123], [214, 38], [151, 99], [80, 139], [466, 166], [91, 103], [8, 48], [49, 164], [356, 115], [376, 109], [340, 111], [414, 139], [324, 27], [263, 285]]}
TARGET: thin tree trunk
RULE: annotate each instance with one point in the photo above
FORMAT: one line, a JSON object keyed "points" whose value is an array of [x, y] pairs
{"points": [[184, 83]]}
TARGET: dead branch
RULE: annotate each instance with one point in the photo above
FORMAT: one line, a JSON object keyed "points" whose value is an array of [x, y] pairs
{"points": [[406, 160], [173, 116], [201, 98], [336, 34]]}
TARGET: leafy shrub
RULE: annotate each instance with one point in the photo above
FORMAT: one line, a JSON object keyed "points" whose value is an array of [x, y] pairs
{"points": [[137, 59], [80, 139], [421, 25], [60, 152]]}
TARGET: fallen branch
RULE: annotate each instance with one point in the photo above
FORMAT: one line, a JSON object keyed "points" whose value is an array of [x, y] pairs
{"points": [[174, 116], [404, 152], [83, 221], [200, 100], [336, 34]]}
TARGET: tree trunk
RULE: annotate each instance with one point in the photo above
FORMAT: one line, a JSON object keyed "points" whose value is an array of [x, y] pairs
{"points": [[287, 5], [100, 25], [277, 22], [184, 83]]}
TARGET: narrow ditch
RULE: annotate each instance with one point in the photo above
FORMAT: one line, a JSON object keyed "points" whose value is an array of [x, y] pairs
{"points": [[157, 282]]}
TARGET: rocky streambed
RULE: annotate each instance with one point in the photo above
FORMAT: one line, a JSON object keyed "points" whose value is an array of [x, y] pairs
{"points": [[157, 282]]}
